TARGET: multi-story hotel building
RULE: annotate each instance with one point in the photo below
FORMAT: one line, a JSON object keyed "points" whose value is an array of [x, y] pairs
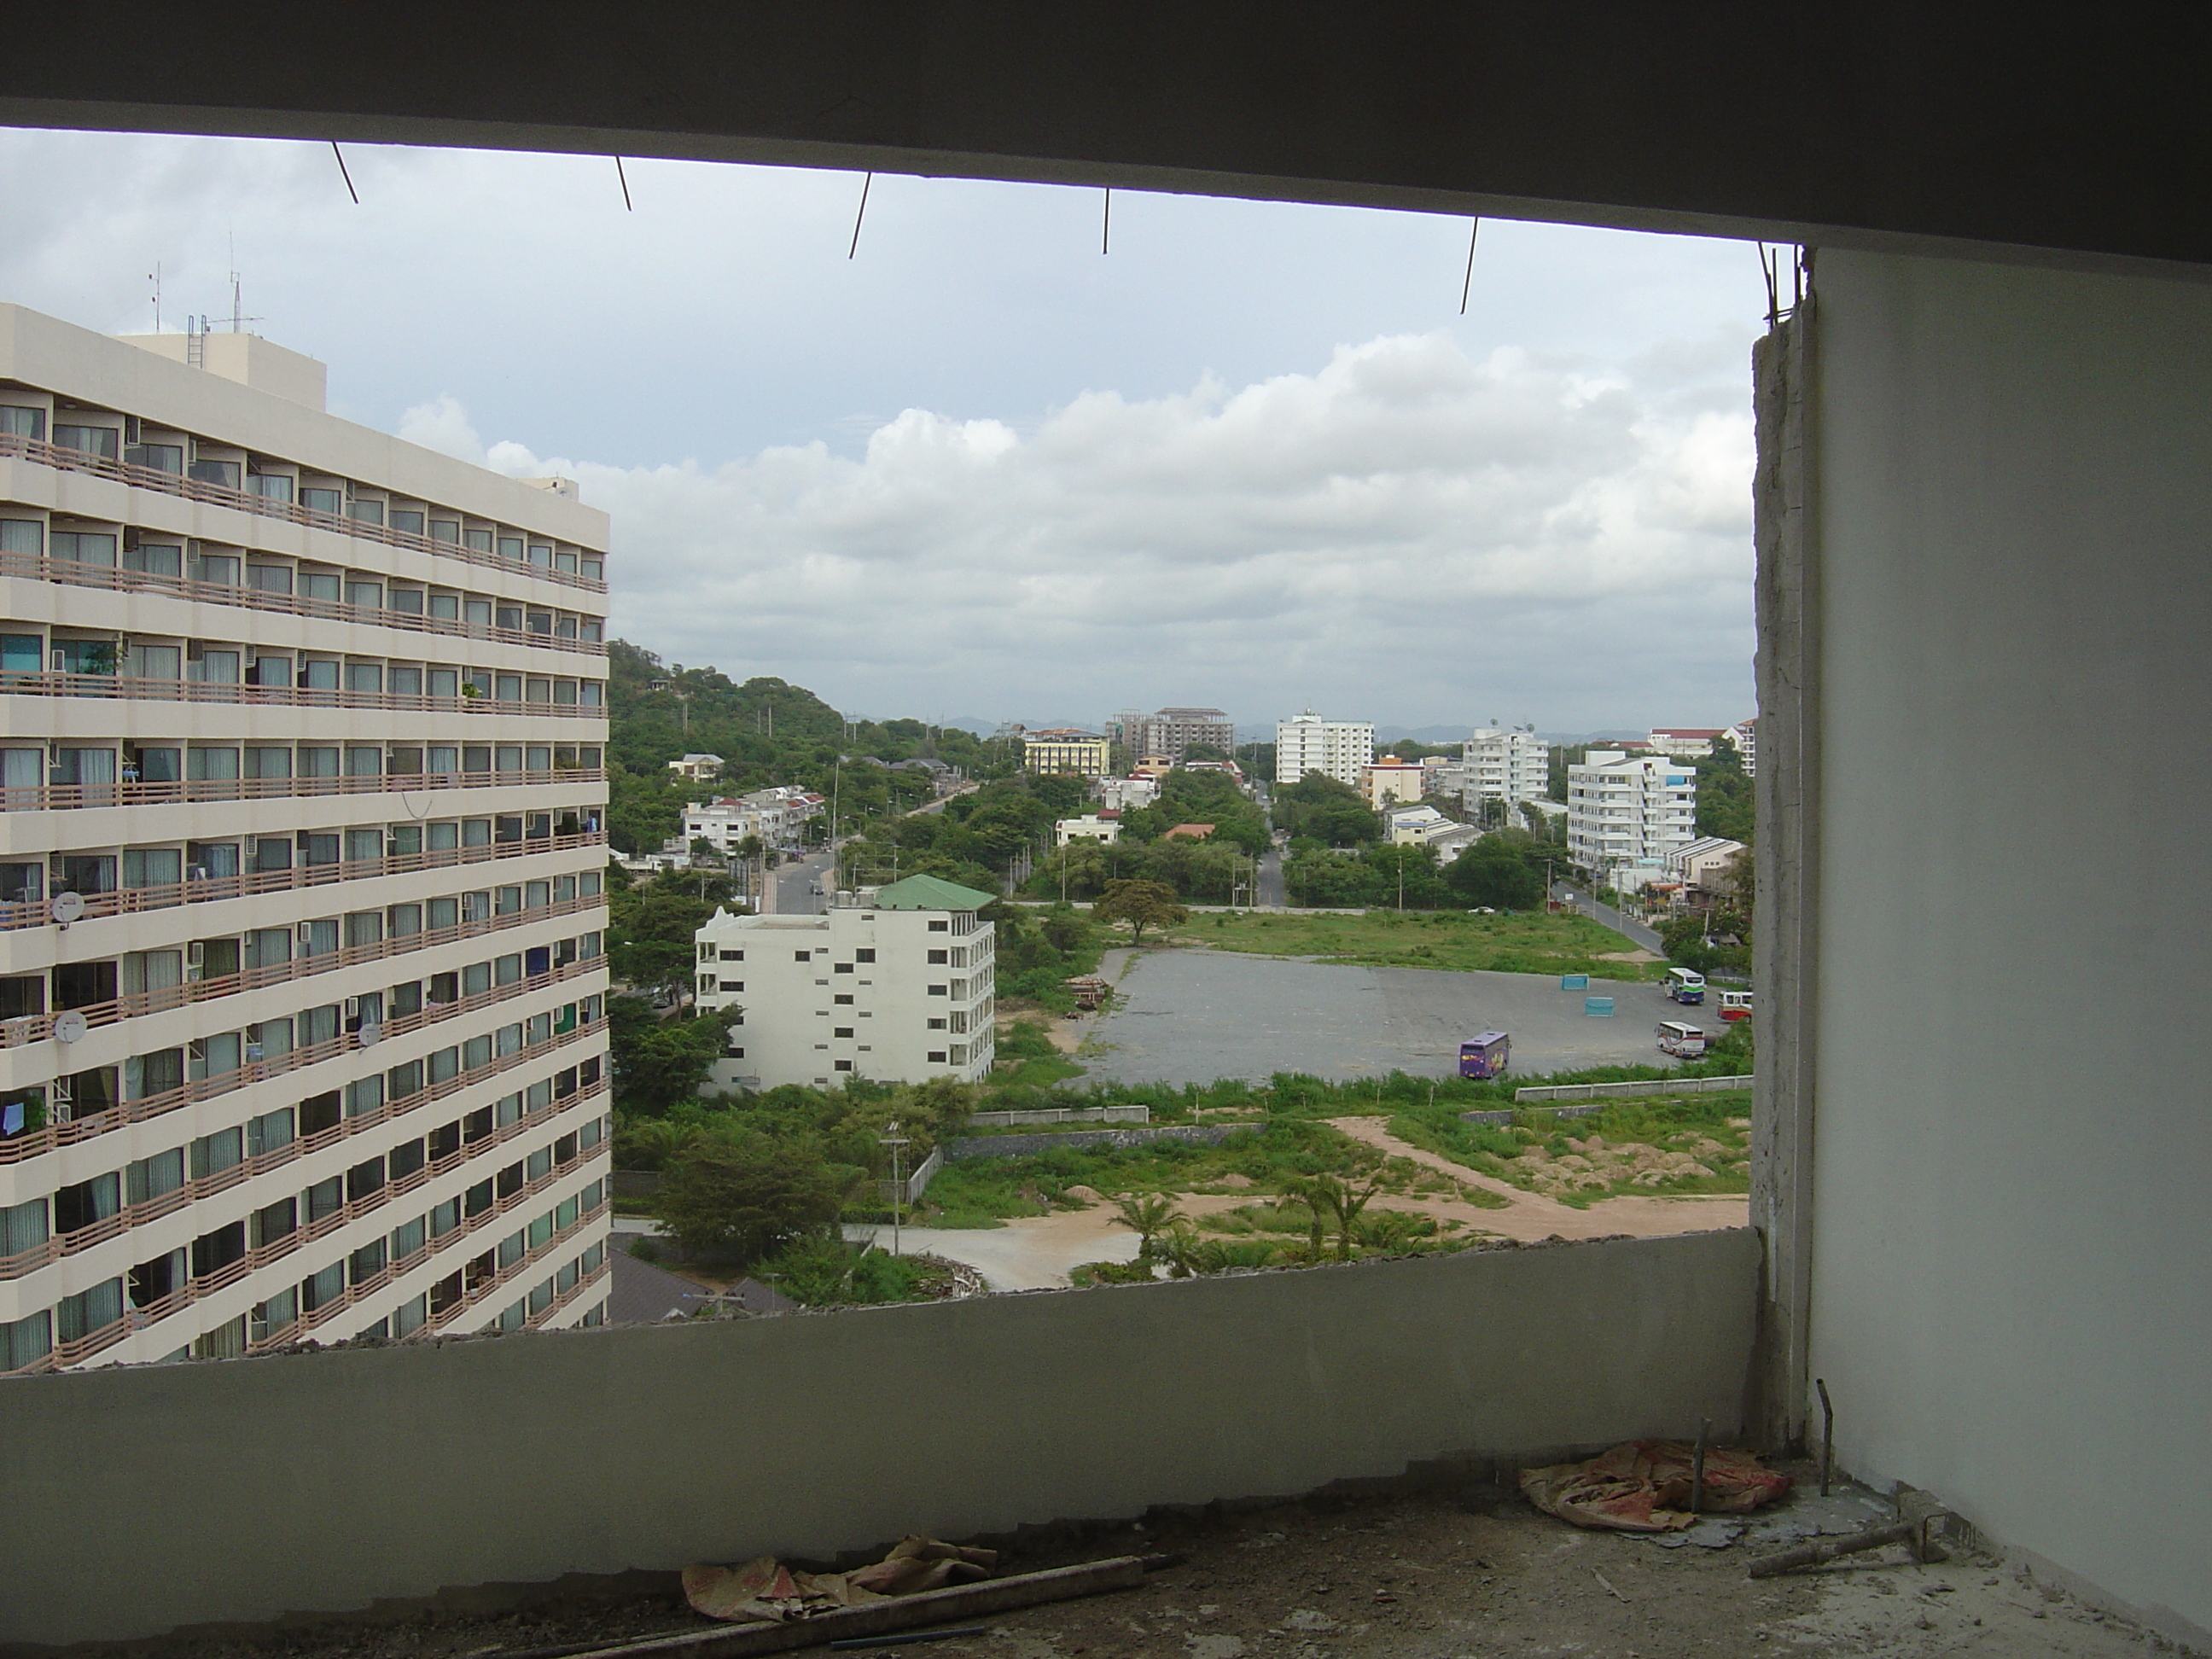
{"points": [[1626, 813], [1506, 763], [1342, 749], [302, 1020], [894, 983]]}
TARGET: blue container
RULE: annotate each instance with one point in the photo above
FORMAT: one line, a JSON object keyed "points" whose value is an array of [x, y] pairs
{"points": [[1574, 981], [1600, 1006]]}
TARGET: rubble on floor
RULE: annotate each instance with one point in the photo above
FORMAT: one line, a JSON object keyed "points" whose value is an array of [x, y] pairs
{"points": [[1465, 1573]]}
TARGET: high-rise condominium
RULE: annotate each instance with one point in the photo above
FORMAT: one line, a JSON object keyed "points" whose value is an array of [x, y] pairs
{"points": [[302, 1008], [1342, 749]]}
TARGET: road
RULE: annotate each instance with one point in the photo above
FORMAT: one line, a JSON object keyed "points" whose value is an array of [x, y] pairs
{"points": [[1271, 896], [788, 886], [1635, 931]]}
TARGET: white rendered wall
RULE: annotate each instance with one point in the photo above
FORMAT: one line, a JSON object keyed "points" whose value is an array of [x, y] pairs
{"points": [[2012, 1298]]}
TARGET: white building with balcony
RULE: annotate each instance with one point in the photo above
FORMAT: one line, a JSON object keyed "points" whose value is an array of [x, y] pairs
{"points": [[1629, 812], [1506, 763], [895, 983], [1342, 749], [302, 987]]}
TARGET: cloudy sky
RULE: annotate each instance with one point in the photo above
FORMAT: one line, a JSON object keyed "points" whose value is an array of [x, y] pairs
{"points": [[1252, 457]]}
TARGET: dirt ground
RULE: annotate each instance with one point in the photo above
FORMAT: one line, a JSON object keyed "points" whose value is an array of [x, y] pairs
{"points": [[1454, 1575], [1529, 1216]]}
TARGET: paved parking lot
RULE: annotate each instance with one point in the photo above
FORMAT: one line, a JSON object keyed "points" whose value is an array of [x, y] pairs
{"points": [[1192, 1016]]}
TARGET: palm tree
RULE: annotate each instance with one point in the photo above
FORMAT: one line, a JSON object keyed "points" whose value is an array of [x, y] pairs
{"points": [[1147, 1215]]}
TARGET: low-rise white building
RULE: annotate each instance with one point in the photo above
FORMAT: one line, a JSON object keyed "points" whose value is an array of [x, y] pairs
{"points": [[1416, 826], [1687, 742], [1342, 749], [1126, 794], [894, 983], [697, 767], [1628, 811], [1703, 863], [1090, 827], [1507, 763]]}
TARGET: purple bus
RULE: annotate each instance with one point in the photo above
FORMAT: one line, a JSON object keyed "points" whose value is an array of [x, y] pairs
{"points": [[1484, 1056]]}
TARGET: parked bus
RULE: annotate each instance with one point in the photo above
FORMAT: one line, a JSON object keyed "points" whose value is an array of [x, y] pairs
{"points": [[1683, 1042], [1683, 986], [1486, 1055], [1736, 1004]]}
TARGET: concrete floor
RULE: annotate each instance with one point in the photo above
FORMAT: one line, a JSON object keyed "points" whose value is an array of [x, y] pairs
{"points": [[1192, 1016], [1459, 1573]]}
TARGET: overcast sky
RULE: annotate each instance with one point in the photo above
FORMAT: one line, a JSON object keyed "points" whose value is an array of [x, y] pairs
{"points": [[1252, 457]]}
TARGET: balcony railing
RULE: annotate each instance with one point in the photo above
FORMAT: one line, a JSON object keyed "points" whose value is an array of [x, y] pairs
{"points": [[36, 1027], [77, 573], [206, 890], [68, 797], [81, 1239], [48, 683], [33, 1143], [193, 490], [79, 1349]]}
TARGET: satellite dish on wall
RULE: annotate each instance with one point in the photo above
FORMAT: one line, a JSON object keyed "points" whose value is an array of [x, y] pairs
{"points": [[68, 1024], [68, 908], [370, 1035]]}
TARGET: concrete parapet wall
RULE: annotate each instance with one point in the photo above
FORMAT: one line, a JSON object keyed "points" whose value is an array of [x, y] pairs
{"points": [[142, 1499]]}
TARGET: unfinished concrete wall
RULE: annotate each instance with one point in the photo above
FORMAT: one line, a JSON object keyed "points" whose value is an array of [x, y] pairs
{"points": [[2012, 1275], [142, 1499]]}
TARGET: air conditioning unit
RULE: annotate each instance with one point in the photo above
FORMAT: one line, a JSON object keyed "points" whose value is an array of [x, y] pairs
{"points": [[353, 1008], [196, 953], [307, 932]]}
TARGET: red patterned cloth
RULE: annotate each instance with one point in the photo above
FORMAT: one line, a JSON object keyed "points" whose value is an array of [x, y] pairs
{"points": [[1645, 1486]]}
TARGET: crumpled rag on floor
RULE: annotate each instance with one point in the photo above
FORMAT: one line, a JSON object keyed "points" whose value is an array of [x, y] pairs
{"points": [[767, 1591], [1645, 1486]]}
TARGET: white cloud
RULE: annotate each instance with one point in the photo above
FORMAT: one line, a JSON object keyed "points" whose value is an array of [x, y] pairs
{"points": [[443, 425], [1407, 533]]}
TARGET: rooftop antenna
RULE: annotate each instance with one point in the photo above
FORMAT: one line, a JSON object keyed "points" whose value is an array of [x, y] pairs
{"points": [[238, 319]]}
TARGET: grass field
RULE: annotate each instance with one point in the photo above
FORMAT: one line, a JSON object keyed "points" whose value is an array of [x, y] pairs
{"points": [[1522, 944]]}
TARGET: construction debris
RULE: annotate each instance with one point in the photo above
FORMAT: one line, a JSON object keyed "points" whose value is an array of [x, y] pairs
{"points": [[877, 1614], [767, 1591], [1647, 1485], [1917, 1515]]}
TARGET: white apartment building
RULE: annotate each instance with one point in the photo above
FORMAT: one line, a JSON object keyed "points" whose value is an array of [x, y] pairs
{"points": [[1342, 749], [1507, 764], [1745, 733], [776, 815], [1629, 812], [302, 1020], [894, 983], [698, 768]]}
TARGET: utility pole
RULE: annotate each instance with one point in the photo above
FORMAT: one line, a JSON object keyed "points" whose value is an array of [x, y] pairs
{"points": [[897, 1143]]}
